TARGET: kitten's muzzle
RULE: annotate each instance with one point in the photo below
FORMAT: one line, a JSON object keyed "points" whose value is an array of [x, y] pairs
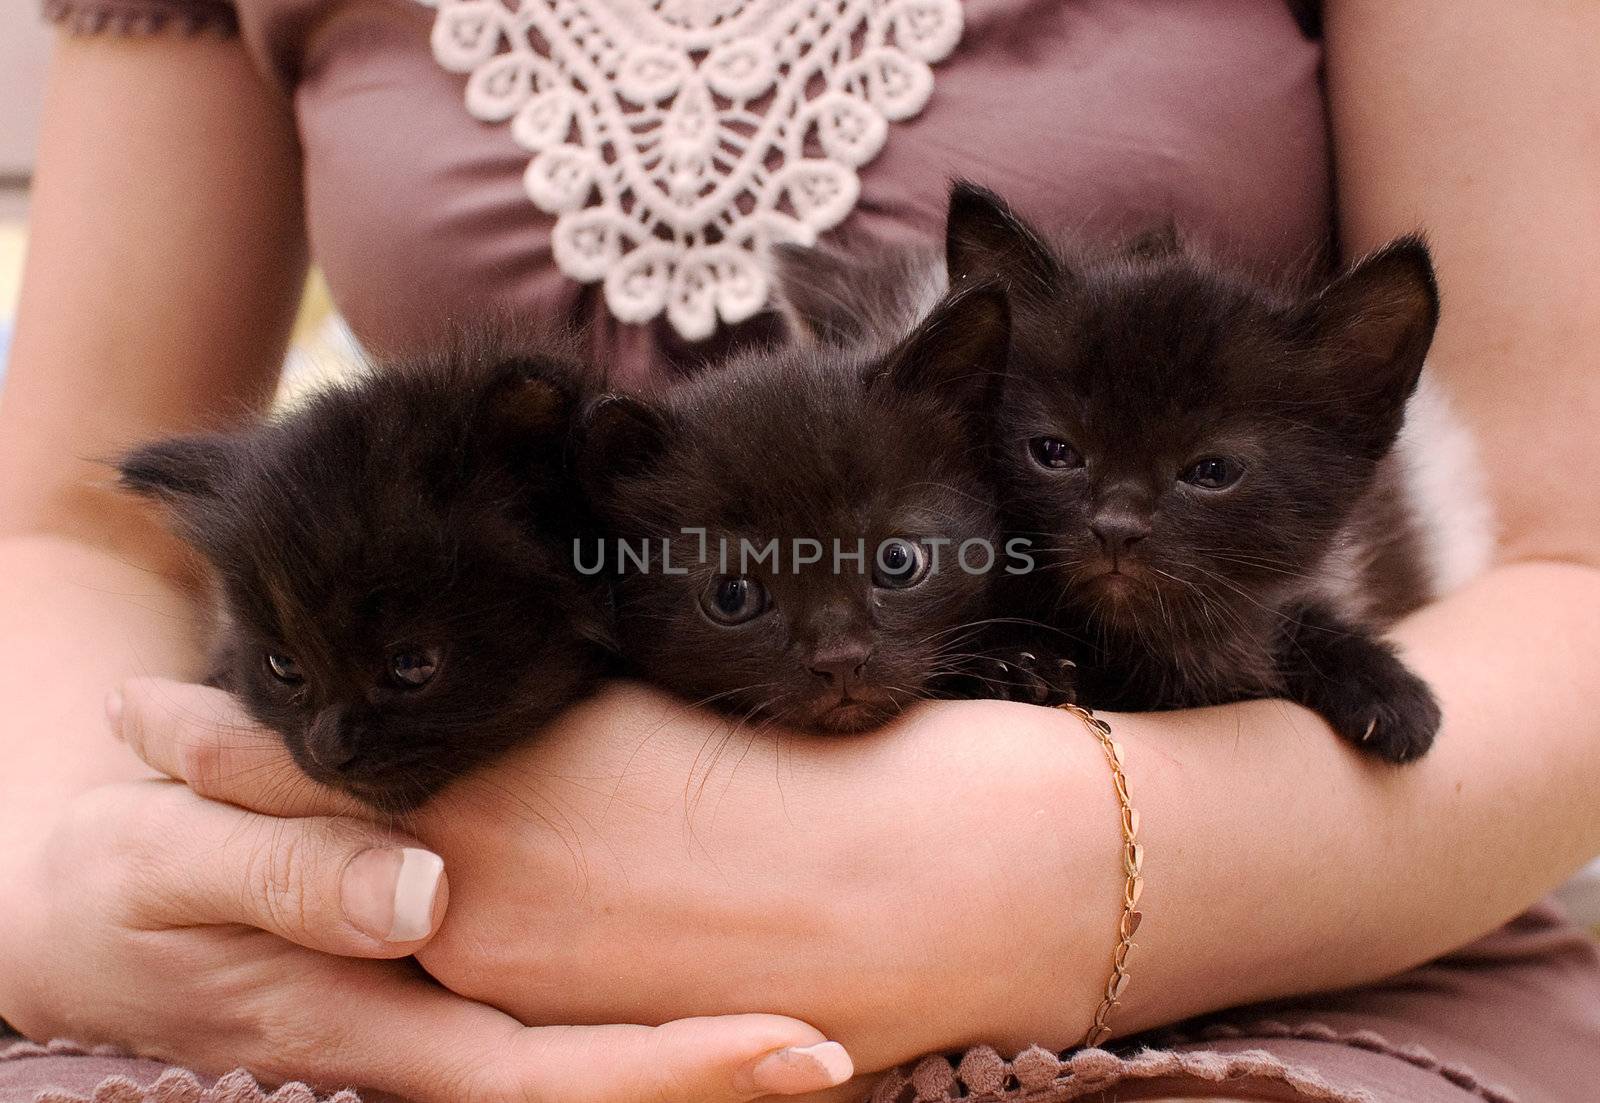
{"points": [[1117, 532], [841, 670], [332, 740]]}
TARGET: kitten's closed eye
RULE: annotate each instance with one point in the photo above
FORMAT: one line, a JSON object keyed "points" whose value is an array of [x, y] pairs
{"points": [[1055, 453], [734, 599], [1213, 473]]}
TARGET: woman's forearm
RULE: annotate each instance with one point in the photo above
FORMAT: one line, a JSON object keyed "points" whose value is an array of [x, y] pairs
{"points": [[74, 621], [1279, 861], [164, 262]]}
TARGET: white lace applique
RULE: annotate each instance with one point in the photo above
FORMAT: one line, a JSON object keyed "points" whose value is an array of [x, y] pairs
{"points": [[677, 141]]}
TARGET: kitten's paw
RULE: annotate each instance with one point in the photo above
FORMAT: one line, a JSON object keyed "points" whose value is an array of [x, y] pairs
{"points": [[1360, 686], [1391, 714]]}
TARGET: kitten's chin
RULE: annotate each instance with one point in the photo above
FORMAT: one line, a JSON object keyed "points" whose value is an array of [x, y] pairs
{"points": [[1119, 586], [850, 716], [392, 795], [1117, 597]]}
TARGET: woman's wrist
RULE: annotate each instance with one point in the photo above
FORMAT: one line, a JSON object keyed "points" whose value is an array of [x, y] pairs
{"points": [[950, 880], [1042, 892]]}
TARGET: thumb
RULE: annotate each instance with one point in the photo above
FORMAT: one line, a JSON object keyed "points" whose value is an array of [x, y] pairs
{"points": [[393, 1031], [341, 886]]}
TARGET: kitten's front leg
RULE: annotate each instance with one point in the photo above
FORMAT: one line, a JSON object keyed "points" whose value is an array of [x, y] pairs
{"points": [[1359, 685]]}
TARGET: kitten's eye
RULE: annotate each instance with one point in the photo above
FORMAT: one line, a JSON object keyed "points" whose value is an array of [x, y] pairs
{"points": [[1053, 452], [414, 669], [901, 564], [734, 599], [285, 669], [1213, 473]]}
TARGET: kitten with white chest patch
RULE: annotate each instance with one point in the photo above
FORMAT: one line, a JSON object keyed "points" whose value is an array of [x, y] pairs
{"points": [[1222, 479]]}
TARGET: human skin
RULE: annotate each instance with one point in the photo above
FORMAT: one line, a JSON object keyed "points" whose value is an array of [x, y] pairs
{"points": [[1475, 121], [165, 259], [954, 878]]}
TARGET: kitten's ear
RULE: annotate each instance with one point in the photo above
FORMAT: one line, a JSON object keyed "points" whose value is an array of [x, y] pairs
{"points": [[959, 351], [1374, 325], [817, 294], [1379, 317], [831, 296], [1384, 309], [985, 240], [534, 398], [619, 436], [1160, 240], [180, 470]]}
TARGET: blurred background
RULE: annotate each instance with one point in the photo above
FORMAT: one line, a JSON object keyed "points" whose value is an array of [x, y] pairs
{"points": [[24, 46], [323, 348]]}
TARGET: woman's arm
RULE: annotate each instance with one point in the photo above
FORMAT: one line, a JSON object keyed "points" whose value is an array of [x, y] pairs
{"points": [[1480, 123], [165, 260], [955, 878]]}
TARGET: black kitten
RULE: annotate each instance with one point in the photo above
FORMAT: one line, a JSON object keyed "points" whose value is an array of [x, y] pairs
{"points": [[818, 501], [393, 564], [1210, 470]]}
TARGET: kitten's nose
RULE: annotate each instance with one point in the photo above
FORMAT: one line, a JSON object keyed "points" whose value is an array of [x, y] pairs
{"points": [[332, 741], [1118, 532], [841, 667]]}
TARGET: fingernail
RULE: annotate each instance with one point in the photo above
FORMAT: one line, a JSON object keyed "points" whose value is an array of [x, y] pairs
{"points": [[799, 1069], [390, 892], [114, 712]]}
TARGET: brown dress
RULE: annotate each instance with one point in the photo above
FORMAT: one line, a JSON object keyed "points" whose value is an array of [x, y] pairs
{"points": [[446, 174]]}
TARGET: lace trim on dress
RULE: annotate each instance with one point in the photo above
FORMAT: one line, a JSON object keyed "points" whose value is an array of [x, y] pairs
{"points": [[1040, 1076], [1035, 1075], [174, 1085], [677, 141], [1043, 1077], [142, 17]]}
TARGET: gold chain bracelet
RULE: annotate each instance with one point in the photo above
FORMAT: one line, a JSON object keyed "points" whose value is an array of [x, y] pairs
{"points": [[1132, 868]]}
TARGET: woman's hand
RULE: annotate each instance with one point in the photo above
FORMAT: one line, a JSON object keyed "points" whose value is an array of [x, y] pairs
{"points": [[198, 932], [949, 880]]}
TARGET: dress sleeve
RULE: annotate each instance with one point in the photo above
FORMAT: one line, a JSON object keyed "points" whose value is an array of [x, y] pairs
{"points": [[142, 17]]}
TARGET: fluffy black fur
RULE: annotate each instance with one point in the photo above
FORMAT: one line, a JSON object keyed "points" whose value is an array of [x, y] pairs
{"points": [[393, 561], [1134, 382], [837, 440]]}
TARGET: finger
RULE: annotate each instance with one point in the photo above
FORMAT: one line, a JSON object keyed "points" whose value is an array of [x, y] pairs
{"points": [[729, 1059], [406, 1036], [200, 736], [338, 885]]}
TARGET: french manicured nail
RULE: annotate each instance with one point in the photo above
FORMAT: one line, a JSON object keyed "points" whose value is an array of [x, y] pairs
{"points": [[799, 1069], [390, 892], [114, 712]]}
